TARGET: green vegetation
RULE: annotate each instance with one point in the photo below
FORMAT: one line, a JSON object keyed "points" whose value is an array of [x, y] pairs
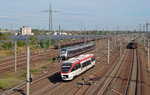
{"points": [[4, 36], [93, 33], [8, 82], [38, 32], [32, 71], [21, 43], [50, 59], [46, 43], [7, 45], [44, 67], [9, 79], [33, 40]]}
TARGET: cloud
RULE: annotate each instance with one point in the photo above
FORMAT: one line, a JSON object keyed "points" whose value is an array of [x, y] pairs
{"points": [[3, 16]]}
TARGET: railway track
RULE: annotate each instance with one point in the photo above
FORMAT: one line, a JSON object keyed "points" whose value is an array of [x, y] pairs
{"points": [[56, 89], [84, 89], [51, 86], [102, 85], [8, 63], [106, 86], [132, 87]]}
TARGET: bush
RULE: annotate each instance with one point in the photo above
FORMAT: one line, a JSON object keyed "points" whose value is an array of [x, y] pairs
{"points": [[33, 40], [7, 46], [21, 43], [4, 36], [44, 43]]}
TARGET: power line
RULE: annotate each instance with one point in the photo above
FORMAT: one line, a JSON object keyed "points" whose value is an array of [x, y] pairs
{"points": [[50, 10]]}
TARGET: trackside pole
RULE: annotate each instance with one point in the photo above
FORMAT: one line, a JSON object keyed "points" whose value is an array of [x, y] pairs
{"points": [[108, 49], [15, 57], [148, 55], [120, 49], [28, 70]]}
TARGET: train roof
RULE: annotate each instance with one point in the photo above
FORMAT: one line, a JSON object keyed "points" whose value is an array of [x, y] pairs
{"points": [[75, 59], [78, 46]]}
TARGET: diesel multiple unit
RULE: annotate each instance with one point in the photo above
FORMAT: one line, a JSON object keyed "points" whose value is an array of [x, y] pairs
{"points": [[77, 65]]}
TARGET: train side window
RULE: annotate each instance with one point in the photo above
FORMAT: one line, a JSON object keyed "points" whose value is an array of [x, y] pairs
{"points": [[83, 65], [88, 62], [93, 58], [69, 52], [76, 51]]}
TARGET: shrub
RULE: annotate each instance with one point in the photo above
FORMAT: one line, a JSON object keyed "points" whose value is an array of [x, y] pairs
{"points": [[7, 46], [21, 43]]}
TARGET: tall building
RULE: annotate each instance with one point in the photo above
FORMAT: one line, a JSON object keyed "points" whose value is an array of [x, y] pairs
{"points": [[26, 31]]}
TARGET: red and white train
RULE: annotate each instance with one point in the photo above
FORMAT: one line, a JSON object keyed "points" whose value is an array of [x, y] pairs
{"points": [[77, 65]]}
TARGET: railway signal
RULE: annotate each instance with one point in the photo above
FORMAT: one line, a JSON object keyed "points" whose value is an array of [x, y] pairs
{"points": [[91, 77], [30, 78]]}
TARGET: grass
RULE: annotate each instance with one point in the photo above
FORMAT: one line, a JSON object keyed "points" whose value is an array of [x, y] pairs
{"points": [[10, 79], [50, 60], [5, 53], [8, 82], [44, 67], [32, 71]]}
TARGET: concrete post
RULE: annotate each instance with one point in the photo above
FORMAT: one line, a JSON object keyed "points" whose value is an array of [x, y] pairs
{"points": [[28, 70], [15, 56]]}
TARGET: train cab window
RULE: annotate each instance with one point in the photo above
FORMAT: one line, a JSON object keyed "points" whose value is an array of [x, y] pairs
{"points": [[74, 68], [66, 67], [63, 51]]}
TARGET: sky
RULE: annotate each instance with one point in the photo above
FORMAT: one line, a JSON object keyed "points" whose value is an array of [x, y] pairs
{"points": [[90, 14]]}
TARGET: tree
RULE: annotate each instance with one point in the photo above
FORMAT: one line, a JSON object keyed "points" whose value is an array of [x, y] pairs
{"points": [[38, 32], [4, 36], [21, 43], [44, 43], [7, 45], [33, 40]]}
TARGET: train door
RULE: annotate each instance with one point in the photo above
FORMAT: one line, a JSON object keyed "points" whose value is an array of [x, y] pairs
{"points": [[83, 66], [73, 74], [78, 68]]}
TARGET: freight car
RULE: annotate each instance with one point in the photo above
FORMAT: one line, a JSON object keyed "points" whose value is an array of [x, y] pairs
{"points": [[75, 42]]}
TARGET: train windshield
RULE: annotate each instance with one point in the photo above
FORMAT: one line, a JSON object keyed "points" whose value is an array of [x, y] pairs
{"points": [[63, 51], [66, 67]]}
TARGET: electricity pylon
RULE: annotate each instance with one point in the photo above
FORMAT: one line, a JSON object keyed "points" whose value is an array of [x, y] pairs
{"points": [[50, 10], [147, 24]]}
